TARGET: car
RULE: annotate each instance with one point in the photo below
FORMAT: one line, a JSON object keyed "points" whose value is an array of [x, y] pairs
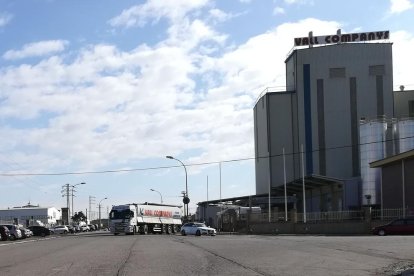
{"points": [[4, 233], [84, 228], [15, 232], [59, 229], [197, 228], [77, 228], [403, 226], [91, 227], [39, 230], [26, 233], [71, 228]]}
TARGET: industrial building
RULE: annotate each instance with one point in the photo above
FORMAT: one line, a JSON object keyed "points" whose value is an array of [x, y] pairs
{"points": [[336, 116], [31, 215], [315, 141], [397, 181]]}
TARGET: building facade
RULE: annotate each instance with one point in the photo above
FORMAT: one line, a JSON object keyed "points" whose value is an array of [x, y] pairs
{"points": [[31, 215], [316, 121]]}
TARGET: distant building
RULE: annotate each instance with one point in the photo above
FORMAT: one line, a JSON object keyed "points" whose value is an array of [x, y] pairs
{"points": [[31, 215]]}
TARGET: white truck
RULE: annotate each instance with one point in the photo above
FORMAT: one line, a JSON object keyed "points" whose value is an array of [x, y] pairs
{"points": [[145, 218]]}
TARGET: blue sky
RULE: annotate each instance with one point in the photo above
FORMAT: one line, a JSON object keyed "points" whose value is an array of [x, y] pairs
{"points": [[92, 86]]}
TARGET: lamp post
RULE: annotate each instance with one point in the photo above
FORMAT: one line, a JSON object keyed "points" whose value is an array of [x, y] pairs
{"points": [[186, 199], [73, 190], [100, 212], [159, 193]]}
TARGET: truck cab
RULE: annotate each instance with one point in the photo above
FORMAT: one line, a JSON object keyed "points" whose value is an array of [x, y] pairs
{"points": [[123, 219]]}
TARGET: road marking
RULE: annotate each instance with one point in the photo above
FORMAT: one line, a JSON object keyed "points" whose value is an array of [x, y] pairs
{"points": [[26, 241]]}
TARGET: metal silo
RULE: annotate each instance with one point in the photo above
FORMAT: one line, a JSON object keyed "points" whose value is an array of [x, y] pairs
{"points": [[372, 148], [406, 134]]}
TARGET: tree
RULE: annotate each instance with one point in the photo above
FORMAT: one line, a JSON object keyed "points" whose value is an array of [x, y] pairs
{"points": [[78, 217]]}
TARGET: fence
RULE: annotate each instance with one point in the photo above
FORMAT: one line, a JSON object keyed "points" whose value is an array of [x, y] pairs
{"points": [[364, 214]]}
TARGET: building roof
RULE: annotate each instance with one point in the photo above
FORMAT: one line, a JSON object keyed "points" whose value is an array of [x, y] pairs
{"points": [[392, 159], [293, 187], [27, 208]]}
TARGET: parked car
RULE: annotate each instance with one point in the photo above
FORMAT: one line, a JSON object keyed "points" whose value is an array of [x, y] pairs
{"points": [[26, 233], [197, 228], [4, 233], [77, 228], [91, 227], [84, 228], [59, 229], [396, 227], [71, 228], [39, 230], [15, 232]]}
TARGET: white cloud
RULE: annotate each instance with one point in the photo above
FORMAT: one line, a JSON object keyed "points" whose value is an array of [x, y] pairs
{"points": [[278, 10], [154, 10], [399, 6], [299, 2], [220, 15], [110, 106], [36, 49], [5, 18]]}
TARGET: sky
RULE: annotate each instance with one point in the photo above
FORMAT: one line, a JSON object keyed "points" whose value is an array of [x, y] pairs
{"points": [[101, 91]]}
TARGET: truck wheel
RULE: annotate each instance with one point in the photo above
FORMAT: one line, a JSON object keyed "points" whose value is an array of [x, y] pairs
{"points": [[381, 232], [168, 229], [174, 229], [198, 233], [145, 231]]}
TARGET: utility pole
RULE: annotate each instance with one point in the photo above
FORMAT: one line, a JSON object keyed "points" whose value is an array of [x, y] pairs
{"points": [[91, 201]]}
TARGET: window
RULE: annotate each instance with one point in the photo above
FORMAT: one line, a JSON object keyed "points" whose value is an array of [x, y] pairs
{"points": [[398, 222], [377, 70], [337, 72]]}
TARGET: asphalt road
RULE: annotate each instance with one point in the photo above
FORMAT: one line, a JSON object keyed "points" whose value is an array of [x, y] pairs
{"points": [[105, 254]]}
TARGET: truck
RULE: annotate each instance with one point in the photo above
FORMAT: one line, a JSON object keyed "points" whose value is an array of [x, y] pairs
{"points": [[145, 218]]}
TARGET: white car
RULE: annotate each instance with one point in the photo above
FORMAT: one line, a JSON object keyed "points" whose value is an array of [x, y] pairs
{"points": [[84, 228], [197, 228], [59, 229]]}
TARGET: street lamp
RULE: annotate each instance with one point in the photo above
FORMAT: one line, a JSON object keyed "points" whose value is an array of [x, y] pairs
{"points": [[159, 193], [100, 212], [186, 199], [73, 190]]}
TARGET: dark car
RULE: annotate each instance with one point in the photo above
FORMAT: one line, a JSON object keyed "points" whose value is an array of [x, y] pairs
{"points": [[4, 233], [396, 227], [39, 230]]}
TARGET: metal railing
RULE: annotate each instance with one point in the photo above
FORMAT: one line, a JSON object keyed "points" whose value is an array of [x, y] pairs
{"points": [[338, 216], [331, 216]]}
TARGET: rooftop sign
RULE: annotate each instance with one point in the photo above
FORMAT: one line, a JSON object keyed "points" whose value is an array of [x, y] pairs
{"points": [[341, 38]]}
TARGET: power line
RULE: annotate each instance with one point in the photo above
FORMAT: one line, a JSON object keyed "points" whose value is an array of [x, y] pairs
{"points": [[191, 165]]}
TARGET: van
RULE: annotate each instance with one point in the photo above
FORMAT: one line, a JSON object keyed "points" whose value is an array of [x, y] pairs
{"points": [[15, 232]]}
